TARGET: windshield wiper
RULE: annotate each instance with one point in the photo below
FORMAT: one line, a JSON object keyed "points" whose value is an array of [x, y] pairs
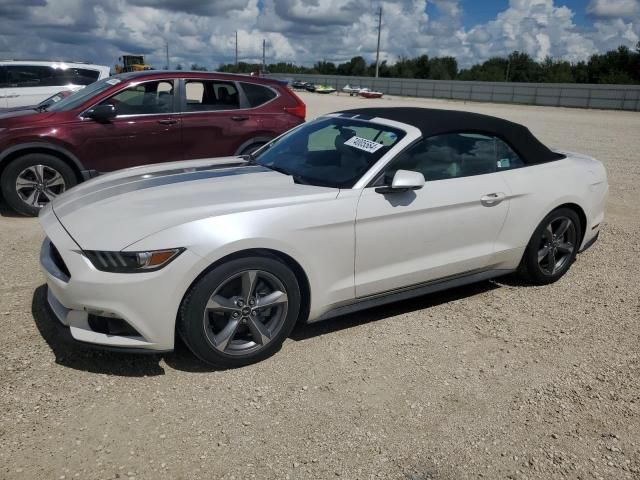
{"points": [[251, 160]]}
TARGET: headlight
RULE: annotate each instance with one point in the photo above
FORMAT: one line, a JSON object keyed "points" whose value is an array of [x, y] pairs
{"points": [[132, 262]]}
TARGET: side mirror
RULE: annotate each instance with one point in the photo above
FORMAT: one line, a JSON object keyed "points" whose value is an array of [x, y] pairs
{"points": [[101, 113], [403, 181]]}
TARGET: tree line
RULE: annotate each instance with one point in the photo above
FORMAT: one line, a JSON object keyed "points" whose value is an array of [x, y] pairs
{"points": [[620, 66]]}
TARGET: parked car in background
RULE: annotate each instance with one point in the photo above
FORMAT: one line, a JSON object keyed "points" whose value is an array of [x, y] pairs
{"points": [[43, 105], [352, 210], [135, 119], [27, 82], [298, 85]]}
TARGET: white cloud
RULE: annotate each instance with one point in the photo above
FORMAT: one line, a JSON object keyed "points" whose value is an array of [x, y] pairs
{"points": [[614, 8], [305, 31]]}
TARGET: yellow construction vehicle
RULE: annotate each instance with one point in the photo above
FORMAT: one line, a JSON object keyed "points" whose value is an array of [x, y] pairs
{"points": [[131, 63]]}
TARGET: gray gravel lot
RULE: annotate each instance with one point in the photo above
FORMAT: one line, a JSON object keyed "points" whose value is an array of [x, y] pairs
{"points": [[495, 380]]}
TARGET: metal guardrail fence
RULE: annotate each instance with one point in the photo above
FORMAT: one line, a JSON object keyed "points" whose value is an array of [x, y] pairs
{"points": [[613, 97]]}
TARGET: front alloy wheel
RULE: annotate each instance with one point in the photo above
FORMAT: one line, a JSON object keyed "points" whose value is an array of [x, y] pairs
{"points": [[37, 185], [241, 311], [245, 312], [30, 182]]}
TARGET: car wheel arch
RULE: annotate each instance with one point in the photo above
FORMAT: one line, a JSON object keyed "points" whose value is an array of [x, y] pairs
{"points": [[293, 264], [261, 140], [18, 151], [581, 215], [578, 209]]}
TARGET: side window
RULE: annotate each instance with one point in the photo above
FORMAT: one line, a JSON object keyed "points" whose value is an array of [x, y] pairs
{"points": [[3, 77], [76, 76], [22, 76], [456, 155], [507, 158], [207, 95], [257, 94], [144, 98]]}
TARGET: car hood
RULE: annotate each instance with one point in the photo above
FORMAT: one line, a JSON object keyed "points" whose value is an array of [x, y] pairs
{"points": [[22, 117], [115, 210]]}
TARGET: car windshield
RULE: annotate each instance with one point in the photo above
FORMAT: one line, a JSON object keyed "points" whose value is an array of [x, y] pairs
{"points": [[78, 98], [47, 102], [329, 152]]}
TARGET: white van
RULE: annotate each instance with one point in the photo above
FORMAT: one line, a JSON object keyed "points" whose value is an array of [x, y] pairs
{"points": [[26, 82]]}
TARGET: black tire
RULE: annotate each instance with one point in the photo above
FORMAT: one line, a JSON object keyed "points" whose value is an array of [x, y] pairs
{"points": [[26, 167], [197, 324], [251, 148], [536, 266]]}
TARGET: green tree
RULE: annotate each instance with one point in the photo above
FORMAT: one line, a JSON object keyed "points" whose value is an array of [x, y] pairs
{"points": [[325, 68], [523, 68], [556, 71], [443, 68]]}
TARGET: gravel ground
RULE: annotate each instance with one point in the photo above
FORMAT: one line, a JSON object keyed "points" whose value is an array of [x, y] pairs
{"points": [[495, 380]]}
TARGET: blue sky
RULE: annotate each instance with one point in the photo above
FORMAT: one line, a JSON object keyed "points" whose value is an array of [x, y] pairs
{"points": [[305, 31], [481, 11]]}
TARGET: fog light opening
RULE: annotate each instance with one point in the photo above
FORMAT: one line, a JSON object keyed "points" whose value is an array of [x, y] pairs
{"points": [[111, 326]]}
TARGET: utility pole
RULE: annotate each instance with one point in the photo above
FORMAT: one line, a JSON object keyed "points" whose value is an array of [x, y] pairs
{"points": [[264, 46], [236, 49], [166, 44], [378, 50]]}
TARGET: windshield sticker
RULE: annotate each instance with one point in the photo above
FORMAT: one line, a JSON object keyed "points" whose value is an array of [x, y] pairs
{"points": [[113, 81], [363, 144]]}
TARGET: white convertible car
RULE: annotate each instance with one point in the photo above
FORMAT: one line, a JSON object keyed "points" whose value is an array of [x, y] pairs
{"points": [[351, 210]]}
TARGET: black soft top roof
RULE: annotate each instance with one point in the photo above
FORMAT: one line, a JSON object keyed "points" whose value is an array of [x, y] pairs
{"points": [[431, 121]]}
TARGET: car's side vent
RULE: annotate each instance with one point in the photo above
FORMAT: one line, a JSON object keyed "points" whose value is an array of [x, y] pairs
{"points": [[58, 261]]}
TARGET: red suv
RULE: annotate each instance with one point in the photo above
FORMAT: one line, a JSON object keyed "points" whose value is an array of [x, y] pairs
{"points": [[135, 119]]}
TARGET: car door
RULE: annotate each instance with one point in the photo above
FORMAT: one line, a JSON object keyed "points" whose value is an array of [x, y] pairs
{"points": [[215, 120], [447, 228], [146, 129]]}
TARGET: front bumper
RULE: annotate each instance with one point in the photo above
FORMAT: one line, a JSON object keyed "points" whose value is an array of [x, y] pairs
{"points": [[147, 302]]}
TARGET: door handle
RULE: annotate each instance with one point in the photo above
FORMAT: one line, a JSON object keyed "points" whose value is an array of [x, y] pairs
{"points": [[168, 121], [239, 118], [492, 199]]}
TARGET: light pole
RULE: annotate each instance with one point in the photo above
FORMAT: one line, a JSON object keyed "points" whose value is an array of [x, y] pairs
{"points": [[236, 50], [166, 44], [378, 49]]}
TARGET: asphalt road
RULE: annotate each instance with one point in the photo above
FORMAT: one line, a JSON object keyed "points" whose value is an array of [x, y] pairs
{"points": [[495, 380]]}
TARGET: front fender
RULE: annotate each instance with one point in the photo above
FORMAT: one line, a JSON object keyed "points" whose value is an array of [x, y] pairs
{"points": [[41, 146]]}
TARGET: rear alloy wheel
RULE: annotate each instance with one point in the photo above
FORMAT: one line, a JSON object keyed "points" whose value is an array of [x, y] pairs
{"points": [[31, 182], [240, 312], [552, 248]]}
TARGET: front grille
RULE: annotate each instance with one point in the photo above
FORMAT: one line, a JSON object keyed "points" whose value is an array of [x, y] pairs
{"points": [[58, 261]]}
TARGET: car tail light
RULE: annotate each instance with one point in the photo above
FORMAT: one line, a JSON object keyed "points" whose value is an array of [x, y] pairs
{"points": [[300, 110]]}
